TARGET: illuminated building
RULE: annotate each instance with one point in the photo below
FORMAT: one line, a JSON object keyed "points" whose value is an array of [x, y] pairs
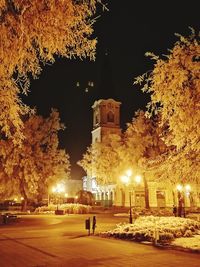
{"points": [[106, 120]]}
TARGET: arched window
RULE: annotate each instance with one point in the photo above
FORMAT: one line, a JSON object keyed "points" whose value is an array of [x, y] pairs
{"points": [[110, 116]]}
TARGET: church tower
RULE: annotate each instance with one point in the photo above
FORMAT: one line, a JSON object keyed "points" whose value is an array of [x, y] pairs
{"points": [[106, 119]]}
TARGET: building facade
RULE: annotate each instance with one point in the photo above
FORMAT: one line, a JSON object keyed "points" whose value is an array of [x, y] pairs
{"points": [[106, 120], [73, 187]]}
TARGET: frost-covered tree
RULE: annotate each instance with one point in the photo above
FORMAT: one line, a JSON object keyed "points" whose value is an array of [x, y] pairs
{"points": [[143, 137], [143, 142], [32, 34], [85, 197], [102, 160], [29, 169], [174, 85]]}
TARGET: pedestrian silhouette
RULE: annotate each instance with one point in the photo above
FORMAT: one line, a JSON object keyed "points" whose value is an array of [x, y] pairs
{"points": [[94, 224], [174, 210]]}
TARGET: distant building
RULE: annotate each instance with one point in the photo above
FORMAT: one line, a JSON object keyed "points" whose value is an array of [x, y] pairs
{"points": [[72, 187]]}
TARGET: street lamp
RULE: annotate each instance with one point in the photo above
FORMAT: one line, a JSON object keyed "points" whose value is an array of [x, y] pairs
{"points": [[179, 188], [58, 189], [138, 179], [76, 198], [181, 200], [126, 180], [129, 173], [187, 189]]}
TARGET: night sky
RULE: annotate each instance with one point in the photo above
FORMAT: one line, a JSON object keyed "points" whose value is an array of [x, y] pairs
{"points": [[124, 34]]}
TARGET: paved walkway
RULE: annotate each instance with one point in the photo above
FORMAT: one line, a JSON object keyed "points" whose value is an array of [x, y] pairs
{"points": [[60, 242]]}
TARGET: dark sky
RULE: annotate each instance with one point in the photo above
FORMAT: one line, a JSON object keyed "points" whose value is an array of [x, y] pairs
{"points": [[125, 33]]}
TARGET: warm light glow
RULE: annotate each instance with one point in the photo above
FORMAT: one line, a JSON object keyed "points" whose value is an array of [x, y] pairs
{"points": [[76, 197], [66, 195], [59, 188], [179, 187], [15, 199], [94, 184], [125, 179], [129, 173], [188, 187], [138, 179], [22, 198]]}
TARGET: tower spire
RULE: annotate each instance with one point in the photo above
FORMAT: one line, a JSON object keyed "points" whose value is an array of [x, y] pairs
{"points": [[106, 85]]}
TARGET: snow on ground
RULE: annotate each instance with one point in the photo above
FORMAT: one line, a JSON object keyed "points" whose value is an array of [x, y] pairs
{"points": [[175, 230], [188, 242]]}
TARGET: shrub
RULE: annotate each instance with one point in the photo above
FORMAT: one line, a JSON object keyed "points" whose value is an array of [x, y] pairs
{"points": [[70, 208], [165, 237], [146, 227], [188, 233]]}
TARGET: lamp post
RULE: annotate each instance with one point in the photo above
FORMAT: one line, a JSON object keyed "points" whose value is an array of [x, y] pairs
{"points": [[58, 189], [131, 215], [126, 179], [186, 189]]}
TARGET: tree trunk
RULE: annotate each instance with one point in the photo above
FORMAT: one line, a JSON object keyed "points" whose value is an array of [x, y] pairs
{"points": [[25, 198], [146, 193], [180, 204], [24, 204], [39, 199]]}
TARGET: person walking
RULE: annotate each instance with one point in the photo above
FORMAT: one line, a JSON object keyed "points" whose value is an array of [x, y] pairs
{"points": [[94, 224]]}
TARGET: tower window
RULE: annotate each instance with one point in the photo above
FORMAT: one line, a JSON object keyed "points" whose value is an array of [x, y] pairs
{"points": [[110, 116]]}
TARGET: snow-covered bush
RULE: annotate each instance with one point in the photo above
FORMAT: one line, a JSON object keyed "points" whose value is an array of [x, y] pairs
{"points": [[188, 233], [189, 242], [178, 233], [165, 237], [70, 208], [154, 212], [149, 228]]}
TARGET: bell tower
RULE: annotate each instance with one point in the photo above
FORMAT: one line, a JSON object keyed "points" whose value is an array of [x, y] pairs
{"points": [[106, 119]]}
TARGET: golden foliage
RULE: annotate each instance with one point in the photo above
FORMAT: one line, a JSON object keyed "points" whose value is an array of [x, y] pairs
{"points": [[30, 167], [174, 85], [176, 167], [102, 160], [32, 34], [143, 141]]}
